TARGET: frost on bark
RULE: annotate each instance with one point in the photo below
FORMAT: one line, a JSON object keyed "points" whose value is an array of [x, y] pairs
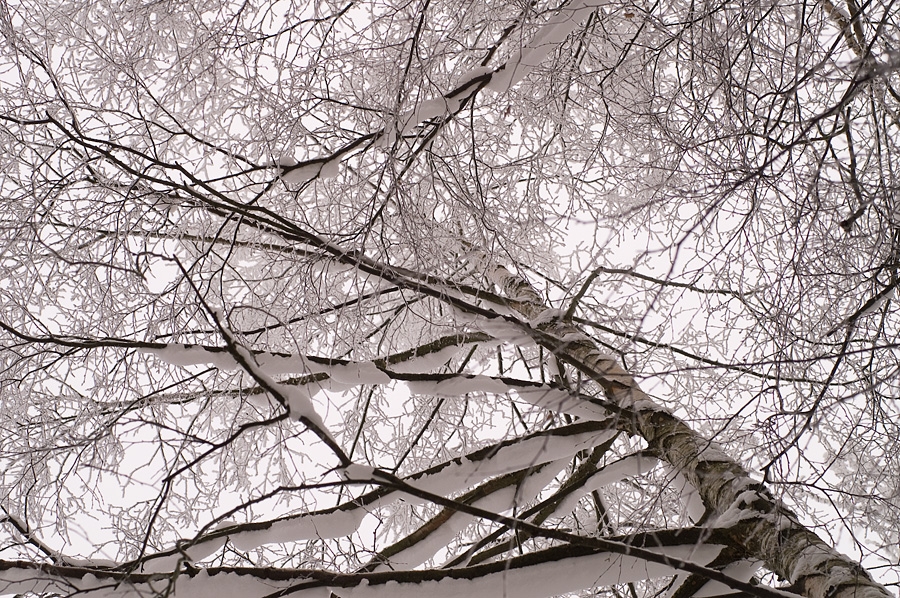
{"points": [[323, 299]]}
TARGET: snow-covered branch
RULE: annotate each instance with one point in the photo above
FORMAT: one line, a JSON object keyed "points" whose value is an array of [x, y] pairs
{"points": [[444, 479], [540, 574]]}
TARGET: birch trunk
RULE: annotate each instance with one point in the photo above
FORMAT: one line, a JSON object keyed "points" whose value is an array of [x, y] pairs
{"points": [[756, 522]]}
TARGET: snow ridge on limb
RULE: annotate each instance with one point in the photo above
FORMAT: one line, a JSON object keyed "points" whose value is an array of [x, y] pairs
{"points": [[295, 399], [417, 359], [406, 366], [543, 395], [444, 479], [561, 501], [697, 586], [186, 553], [499, 80], [591, 562], [633, 465], [758, 523], [323, 373], [536, 575], [498, 494], [542, 43], [528, 577], [536, 514]]}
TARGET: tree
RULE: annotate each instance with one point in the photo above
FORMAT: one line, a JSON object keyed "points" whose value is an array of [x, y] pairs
{"points": [[395, 298]]}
